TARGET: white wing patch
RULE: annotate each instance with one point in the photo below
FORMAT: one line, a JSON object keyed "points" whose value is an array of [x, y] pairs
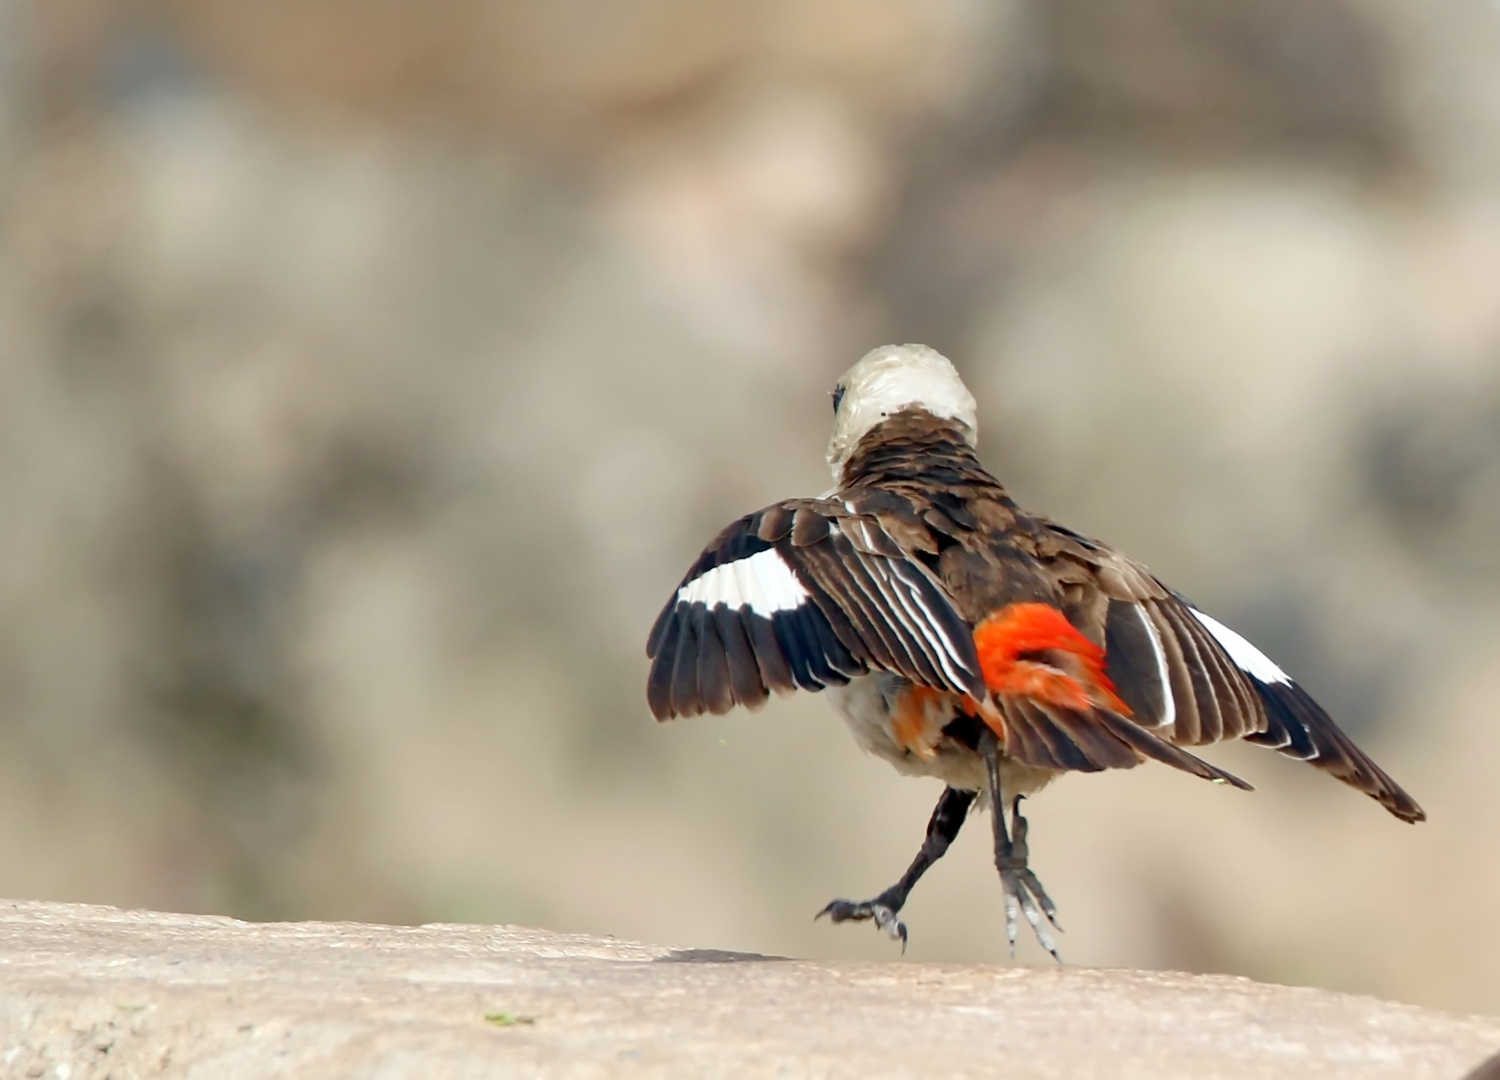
{"points": [[763, 582], [1250, 659]]}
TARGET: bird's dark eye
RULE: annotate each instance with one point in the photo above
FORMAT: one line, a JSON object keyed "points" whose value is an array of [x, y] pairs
{"points": [[838, 396]]}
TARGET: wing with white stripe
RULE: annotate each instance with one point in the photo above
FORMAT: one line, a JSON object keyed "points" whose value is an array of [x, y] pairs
{"points": [[1185, 673], [1175, 675], [805, 594], [1297, 726]]}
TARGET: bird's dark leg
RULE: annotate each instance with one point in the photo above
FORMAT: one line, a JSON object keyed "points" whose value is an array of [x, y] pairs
{"points": [[1023, 892], [947, 818]]}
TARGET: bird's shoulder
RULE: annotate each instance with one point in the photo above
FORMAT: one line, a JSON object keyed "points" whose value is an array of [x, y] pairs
{"points": [[989, 551]]}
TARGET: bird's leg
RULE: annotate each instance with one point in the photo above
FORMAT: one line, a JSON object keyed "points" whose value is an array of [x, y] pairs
{"points": [[1023, 892], [947, 818]]}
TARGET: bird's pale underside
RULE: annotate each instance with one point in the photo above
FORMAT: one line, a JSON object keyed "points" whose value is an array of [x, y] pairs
{"points": [[964, 638]]}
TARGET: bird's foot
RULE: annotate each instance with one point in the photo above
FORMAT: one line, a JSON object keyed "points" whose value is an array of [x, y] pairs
{"points": [[1024, 894], [878, 909]]}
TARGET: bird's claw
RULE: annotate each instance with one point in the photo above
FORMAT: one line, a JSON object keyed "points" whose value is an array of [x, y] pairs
{"points": [[1024, 894], [883, 915]]}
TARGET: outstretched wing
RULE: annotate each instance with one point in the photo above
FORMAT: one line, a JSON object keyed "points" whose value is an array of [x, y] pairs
{"points": [[1193, 680], [804, 594], [1297, 726]]}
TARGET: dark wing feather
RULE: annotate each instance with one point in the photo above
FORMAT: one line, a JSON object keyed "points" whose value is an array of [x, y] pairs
{"points": [[1051, 737], [1189, 679], [1295, 724], [744, 673], [713, 666], [805, 594], [1205, 695], [1300, 728], [1165, 664], [1134, 663], [1199, 656]]}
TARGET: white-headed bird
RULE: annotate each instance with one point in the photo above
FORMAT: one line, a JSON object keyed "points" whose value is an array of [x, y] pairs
{"points": [[964, 638]]}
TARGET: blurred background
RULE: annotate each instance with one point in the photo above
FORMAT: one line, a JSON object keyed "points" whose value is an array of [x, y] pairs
{"points": [[371, 371]]}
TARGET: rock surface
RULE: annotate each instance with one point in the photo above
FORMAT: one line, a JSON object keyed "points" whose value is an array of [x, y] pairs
{"points": [[97, 991]]}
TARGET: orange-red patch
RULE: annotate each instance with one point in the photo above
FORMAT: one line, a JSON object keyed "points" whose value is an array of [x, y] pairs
{"points": [[1031, 650], [914, 720]]}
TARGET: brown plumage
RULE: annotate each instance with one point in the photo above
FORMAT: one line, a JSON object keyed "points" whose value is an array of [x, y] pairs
{"points": [[968, 639]]}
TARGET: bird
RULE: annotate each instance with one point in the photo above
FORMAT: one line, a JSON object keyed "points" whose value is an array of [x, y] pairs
{"points": [[964, 638]]}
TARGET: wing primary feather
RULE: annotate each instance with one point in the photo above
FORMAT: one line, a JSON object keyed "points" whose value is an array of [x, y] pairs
{"points": [[845, 632], [1211, 725], [659, 628], [659, 684], [840, 660], [1334, 751], [1237, 702], [1137, 664], [1231, 692], [713, 667], [1163, 674], [1284, 733], [831, 662], [800, 648], [837, 600], [775, 670], [744, 672], [1189, 728], [685, 700]]}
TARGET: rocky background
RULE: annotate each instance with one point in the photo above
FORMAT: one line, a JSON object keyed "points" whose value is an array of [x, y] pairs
{"points": [[371, 371]]}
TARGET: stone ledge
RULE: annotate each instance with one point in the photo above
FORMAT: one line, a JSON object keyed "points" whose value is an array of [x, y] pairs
{"points": [[95, 991]]}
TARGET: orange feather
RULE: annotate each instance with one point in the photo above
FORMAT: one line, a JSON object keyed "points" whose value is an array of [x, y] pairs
{"points": [[1019, 649]]}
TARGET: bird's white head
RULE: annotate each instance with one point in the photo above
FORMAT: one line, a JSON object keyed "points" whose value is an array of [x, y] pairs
{"points": [[887, 380]]}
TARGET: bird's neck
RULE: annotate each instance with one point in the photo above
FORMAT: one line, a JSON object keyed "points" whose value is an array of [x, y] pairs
{"points": [[912, 445]]}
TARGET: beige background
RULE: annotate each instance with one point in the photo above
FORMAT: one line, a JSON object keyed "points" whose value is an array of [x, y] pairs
{"points": [[370, 372]]}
